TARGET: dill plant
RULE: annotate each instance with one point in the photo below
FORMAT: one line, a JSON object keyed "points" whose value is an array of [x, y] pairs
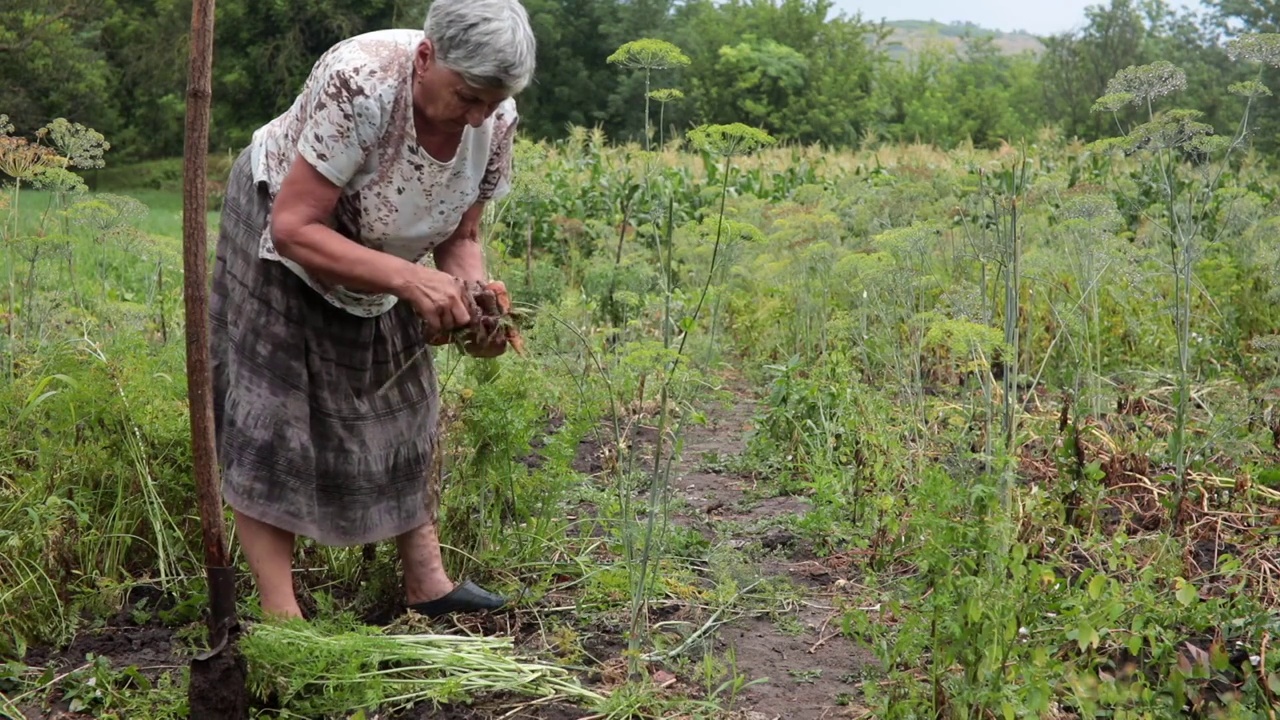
{"points": [[891, 287], [663, 96], [649, 54], [42, 163], [1190, 165], [727, 142]]}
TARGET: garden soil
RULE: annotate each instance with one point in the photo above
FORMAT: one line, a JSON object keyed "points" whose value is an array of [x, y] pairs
{"points": [[803, 668]]}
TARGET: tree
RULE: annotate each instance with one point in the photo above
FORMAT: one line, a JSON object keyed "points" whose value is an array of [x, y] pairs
{"points": [[1077, 66], [1261, 16], [50, 63], [266, 51], [759, 82], [973, 92]]}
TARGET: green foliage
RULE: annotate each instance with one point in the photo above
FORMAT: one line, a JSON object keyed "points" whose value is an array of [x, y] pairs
{"points": [[762, 79], [325, 668], [1009, 635], [969, 94], [792, 67]]}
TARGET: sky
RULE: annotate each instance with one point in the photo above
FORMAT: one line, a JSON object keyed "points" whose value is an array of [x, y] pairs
{"points": [[1040, 17]]}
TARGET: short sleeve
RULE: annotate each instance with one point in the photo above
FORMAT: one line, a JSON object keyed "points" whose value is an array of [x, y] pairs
{"points": [[496, 183], [342, 123]]}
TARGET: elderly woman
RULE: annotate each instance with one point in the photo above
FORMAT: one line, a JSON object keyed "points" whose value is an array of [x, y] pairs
{"points": [[322, 294]]}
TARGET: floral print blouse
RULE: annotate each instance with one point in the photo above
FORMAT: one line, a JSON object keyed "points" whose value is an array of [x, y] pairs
{"points": [[353, 121]]}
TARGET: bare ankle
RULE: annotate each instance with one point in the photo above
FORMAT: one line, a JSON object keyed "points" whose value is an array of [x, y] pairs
{"points": [[424, 576], [419, 589]]}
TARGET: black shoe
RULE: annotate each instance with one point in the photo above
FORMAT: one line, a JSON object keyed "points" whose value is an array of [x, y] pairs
{"points": [[465, 597]]}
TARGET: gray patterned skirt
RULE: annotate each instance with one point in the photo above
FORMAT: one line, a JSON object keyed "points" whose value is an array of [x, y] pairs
{"points": [[305, 441]]}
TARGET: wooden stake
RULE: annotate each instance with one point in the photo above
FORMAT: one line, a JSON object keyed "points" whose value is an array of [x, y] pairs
{"points": [[195, 296]]}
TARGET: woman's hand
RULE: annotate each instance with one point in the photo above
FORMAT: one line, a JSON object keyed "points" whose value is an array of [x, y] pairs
{"points": [[478, 341], [440, 300], [496, 342]]}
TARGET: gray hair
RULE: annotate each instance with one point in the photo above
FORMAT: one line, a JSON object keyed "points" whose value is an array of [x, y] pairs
{"points": [[488, 42]]}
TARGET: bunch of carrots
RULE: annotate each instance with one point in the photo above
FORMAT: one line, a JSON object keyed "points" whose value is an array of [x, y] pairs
{"points": [[491, 313]]}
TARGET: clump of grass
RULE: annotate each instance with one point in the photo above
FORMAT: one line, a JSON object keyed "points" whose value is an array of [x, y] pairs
{"points": [[314, 669]]}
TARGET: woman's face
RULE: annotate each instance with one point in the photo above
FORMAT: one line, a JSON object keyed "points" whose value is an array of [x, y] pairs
{"points": [[444, 99]]}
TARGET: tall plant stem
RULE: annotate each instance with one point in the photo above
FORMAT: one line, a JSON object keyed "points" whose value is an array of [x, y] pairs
{"points": [[715, 252], [1182, 274], [647, 73], [658, 479], [657, 485], [13, 311], [662, 119], [1011, 289], [1017, 182], [617, 259]]}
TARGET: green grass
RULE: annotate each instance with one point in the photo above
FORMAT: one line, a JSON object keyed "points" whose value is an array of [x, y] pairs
{"points": [[163, 218], [160, 174]]}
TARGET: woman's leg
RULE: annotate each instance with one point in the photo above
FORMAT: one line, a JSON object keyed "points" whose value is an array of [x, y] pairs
{"points": [[424, 575], [270, 553], [428, 588]]}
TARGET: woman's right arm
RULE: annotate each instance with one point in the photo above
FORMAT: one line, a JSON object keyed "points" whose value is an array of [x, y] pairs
{"points": [[305, 201]]}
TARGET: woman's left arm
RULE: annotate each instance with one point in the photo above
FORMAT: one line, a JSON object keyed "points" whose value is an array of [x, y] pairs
{"points": [[460, 255]]}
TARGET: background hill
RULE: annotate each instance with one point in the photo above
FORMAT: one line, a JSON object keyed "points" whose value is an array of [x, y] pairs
{"points": [[912, 35]]}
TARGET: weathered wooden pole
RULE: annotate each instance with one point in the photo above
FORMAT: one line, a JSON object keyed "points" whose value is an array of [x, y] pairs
{"points": [[196, 296], [216, 688]]}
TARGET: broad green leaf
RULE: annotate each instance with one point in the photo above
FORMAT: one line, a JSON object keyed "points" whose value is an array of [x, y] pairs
{"points": [[1097, 585], [1269, 477], [1135, 644], [1187, 594]]}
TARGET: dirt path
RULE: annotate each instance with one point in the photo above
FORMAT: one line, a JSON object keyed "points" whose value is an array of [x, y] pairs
{"points": [[805, 668]]}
